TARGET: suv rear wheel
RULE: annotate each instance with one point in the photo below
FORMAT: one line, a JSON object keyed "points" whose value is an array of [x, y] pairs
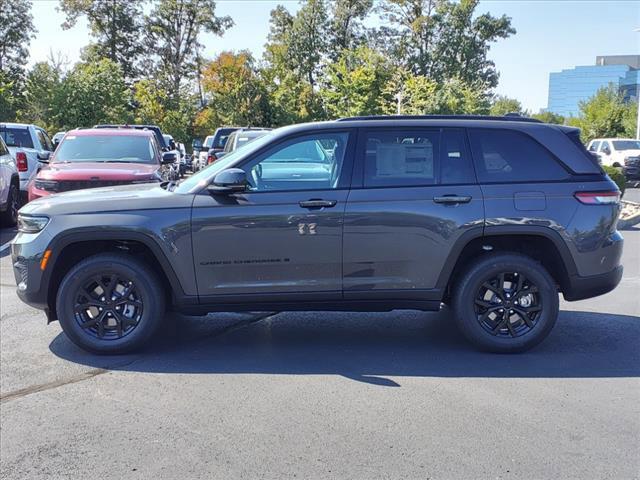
{"points": [[110, 303], [505, 303], [10, 216]]}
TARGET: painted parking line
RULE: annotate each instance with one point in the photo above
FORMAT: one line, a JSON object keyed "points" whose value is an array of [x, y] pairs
{"points": [[5, 246]]}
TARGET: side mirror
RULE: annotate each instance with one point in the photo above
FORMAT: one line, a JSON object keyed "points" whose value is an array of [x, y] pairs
{"points": [[44, 156], [229, 181], [219, 155], [169, 157]]}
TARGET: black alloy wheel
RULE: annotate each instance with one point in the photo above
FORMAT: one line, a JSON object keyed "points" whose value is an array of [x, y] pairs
{"points": [[108, 306], [508, 305]]}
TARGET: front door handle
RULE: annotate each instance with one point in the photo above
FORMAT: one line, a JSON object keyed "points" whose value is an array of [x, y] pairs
{"points": [[449, 199], [318, 203]]}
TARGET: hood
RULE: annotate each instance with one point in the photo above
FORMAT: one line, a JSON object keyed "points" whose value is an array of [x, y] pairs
{"points": [[98, 171], [145, 196]]}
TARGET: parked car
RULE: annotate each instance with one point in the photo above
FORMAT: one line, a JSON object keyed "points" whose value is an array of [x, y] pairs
{"points": [[184, 161], [493, 216], [29, 145], [618, 152], [99, 158], [57, 138], [9, 187], [215, 142], [235, 140], [154, 128]]}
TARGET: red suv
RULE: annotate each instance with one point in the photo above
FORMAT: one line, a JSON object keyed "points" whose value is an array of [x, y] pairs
{"points": [[100, 158]]}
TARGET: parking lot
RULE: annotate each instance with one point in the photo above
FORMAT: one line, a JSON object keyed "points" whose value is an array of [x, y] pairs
{"points": [[326, 395]]}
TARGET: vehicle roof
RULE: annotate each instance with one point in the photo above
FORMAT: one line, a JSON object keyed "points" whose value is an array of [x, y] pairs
{"points": [[17, 125], [112, 132]]}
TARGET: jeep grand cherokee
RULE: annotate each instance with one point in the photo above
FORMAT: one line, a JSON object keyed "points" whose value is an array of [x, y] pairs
{"points": [[491, 215]]}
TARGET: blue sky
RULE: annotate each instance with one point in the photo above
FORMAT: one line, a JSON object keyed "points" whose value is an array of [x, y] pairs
{"points": [[552, 35]]}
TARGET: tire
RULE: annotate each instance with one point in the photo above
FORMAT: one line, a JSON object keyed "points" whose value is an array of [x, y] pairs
{"points": [[121, 324], [10, 216], [508, 320]]}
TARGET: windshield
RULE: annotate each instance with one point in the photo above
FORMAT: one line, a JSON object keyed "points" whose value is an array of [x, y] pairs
{"points": [[203, 177], [105, 148], [16, 137], [244, 138], [626, 144]]}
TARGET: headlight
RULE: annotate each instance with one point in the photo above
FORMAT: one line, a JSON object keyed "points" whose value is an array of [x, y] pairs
{"points": [[48, 185], [28, 224]]}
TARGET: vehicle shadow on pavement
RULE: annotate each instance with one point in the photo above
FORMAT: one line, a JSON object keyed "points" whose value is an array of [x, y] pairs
{"points": [[370, 347]]}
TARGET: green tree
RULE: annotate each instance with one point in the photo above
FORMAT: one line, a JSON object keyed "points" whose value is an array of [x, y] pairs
{"points": [[42, 96], [605, 115], [93, 93], [501, 105], [235, 90], [346, 27], [548, 117], [174, 28], [355, 83], [419, 95], [292, 62], [442, 39], [308, 40], [116, 26], [16, 31]]}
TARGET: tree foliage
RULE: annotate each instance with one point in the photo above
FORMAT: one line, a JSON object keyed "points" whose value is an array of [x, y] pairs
{"points": [[16, 32], [501, 105], [174, 28], [442, 39], [235, 91], [116, 26], [355, 83], [606, 115]]}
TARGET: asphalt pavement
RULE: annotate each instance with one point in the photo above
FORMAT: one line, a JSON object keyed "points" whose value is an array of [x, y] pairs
{"points": [[325, 395]]}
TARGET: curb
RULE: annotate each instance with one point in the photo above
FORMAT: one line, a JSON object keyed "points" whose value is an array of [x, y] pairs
{"points": [[630, 221]]}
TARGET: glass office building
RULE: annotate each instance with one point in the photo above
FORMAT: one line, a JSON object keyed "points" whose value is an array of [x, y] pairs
{"points": [[568, 87]]}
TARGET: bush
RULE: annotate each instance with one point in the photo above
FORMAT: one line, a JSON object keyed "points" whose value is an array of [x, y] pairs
{"points": [[617, 176]]}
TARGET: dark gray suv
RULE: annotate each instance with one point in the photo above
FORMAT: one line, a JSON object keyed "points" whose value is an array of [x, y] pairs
{"points": [[492, 216]]}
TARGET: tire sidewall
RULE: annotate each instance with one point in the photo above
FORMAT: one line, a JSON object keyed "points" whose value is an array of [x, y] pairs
{"points": [[484, 270], [147, 288]]}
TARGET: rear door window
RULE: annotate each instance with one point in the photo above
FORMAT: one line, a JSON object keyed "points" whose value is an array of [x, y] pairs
{"points": [[456, 166], [401, 157], [511, 156]]}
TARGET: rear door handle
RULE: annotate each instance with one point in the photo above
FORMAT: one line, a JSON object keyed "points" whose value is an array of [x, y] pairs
{"points": [[318, 203], [449, 199]]}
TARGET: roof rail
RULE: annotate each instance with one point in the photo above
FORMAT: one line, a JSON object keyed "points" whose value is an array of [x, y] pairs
{"points": [[510, 117]]}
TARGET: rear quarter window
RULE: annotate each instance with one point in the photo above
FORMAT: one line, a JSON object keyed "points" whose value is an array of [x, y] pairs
{"points": [[504, 156]]}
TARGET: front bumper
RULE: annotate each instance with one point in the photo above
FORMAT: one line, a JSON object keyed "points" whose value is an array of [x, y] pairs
{"points": [[580, 288], [27, 251]]}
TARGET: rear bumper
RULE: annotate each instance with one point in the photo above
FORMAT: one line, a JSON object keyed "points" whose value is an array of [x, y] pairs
{"points": [[580, 288]]}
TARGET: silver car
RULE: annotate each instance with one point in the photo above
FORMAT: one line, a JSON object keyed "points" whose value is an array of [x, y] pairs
{"points": [[9, 187], [29, 146]]}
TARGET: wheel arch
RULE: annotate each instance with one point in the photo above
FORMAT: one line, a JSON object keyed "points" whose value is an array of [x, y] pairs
{"points": [[74, 246], [543, 244]]}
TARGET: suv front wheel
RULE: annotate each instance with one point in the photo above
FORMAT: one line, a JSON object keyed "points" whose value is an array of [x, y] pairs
{"points": [[505, 303], [110, 303]]}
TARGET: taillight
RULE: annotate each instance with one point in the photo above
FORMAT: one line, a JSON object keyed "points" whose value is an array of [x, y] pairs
{"points": [[210, 159], [21, 160], [598, 198]]}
